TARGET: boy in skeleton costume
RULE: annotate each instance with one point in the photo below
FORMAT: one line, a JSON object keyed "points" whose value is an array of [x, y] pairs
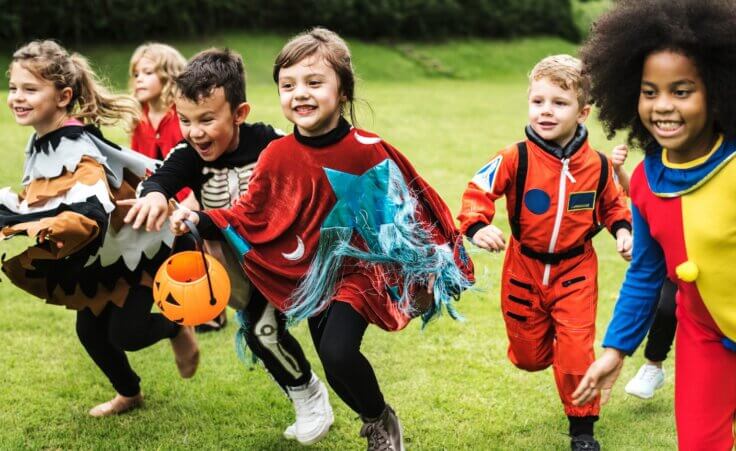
{"points": [[216, 160]]}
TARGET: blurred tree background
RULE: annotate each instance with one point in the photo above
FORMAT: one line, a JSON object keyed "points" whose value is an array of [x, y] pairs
{"points": [[80, 22]]}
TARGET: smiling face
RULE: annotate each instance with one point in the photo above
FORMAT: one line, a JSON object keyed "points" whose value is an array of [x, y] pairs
{"points": [[310, 95], [148, 85], [554, 112], [35, 101], [673, 106], [210, 125]]}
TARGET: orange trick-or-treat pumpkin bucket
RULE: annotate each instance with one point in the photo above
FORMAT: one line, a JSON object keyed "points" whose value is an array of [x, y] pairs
{"points": [[191, 287]]}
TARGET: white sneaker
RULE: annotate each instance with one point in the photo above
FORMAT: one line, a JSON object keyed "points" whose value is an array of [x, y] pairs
{"points": [[290, 432], [313, 412], [647, 380]]}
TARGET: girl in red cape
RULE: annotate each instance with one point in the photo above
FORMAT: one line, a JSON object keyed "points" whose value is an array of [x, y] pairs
{"points": [[338, 228]]}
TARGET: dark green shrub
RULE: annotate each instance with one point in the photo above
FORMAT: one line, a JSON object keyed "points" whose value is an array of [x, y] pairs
{"points": [[84, 21]]}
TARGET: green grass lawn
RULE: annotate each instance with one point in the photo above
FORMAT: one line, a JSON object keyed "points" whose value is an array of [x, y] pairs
{"points": [[448, 107]]}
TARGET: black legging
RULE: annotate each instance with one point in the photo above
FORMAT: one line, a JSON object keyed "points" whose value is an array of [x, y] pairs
{"points": [[662, 332], [271, 342], [337, 334], [106, 337]]}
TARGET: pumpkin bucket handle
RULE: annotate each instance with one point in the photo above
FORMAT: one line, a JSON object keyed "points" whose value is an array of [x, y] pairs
{"points": [[199, 245]]}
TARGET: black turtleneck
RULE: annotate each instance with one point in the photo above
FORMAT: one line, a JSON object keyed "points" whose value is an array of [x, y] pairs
{"points": [[328, 139], [577, 141]]}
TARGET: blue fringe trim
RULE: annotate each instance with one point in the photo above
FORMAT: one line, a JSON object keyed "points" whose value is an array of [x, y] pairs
{"points": [[241, 345], [318, 286], [403, 244]]}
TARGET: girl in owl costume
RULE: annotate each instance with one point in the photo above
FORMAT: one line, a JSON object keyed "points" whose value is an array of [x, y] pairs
{"points": [[85, 257]]}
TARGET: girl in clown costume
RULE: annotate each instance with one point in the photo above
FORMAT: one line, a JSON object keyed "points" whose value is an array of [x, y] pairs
{"points": [[674, 60]]}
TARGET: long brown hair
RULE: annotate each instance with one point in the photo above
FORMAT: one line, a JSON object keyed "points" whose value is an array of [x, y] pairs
{"points": [[92, 102]]}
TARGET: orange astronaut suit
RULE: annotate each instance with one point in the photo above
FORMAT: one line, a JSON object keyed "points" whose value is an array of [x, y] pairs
{"points": [[557, 200]]}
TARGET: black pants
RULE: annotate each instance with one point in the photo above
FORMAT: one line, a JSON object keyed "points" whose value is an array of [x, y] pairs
{"points": [[662, 332], [271, 342], [106, 337], [337, 334]]}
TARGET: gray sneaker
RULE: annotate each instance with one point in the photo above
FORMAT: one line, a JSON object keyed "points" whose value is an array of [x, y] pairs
{"points": [[383, 433]]}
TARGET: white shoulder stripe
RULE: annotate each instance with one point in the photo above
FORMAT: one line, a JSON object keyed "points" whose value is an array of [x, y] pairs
{"points": [[368, 140]]}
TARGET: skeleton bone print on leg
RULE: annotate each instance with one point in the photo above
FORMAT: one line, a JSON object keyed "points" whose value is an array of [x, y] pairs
{"points": [[225, 185]]}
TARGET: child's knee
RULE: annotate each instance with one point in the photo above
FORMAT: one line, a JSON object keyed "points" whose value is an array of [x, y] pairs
{"points": [[334, 355], [533, 359], [264, 333], [85, 328], [122, 337], [532, 365]]}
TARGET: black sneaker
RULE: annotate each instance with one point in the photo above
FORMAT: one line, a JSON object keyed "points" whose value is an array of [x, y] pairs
{"points": [[584, 442], [216, 324]]}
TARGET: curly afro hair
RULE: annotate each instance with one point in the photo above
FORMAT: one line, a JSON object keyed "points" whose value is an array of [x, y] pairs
{"points": [[614, 54]]}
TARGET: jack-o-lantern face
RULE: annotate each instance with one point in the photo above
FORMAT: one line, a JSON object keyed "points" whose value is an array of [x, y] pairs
{"points": [[181, 290]]}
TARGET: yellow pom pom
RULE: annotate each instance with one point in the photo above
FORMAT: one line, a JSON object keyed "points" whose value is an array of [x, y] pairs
{"points": [[687, 271]]}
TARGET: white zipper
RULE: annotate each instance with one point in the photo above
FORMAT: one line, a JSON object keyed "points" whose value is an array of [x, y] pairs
{"points": [[558, 217]]}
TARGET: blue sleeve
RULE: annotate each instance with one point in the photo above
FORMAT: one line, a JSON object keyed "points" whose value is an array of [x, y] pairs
{"points": [[637, 301]]}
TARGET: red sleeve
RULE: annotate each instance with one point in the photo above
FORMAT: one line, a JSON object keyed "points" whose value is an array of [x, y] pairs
{"points": [[268, 208], [613, 209], [489, 183]]}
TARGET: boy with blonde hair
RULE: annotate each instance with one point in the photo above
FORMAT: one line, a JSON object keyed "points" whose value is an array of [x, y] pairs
{"points": [[559, 194]]}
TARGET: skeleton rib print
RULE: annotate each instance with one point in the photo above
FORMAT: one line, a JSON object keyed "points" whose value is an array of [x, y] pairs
{"points": [[225, 185]]}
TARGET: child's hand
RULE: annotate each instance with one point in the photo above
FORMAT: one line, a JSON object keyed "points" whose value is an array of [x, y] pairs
{"points": [[153, 209], [618, 155], [489, 238], [47, 235], [600, 377], [176, 221], [624, 243]]}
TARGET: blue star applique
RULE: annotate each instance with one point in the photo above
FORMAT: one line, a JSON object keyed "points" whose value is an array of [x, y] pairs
{"points": [[364, 202]]}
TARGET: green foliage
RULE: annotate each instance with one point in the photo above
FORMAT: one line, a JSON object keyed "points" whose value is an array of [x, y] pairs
{"points": [[585, 13], [76, 22]]}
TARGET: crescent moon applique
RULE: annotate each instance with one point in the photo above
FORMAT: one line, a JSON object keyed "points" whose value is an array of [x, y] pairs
{"points": [[297, 253]]}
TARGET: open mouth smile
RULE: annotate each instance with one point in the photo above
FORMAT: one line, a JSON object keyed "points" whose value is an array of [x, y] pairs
{"points": [[667, 128]]}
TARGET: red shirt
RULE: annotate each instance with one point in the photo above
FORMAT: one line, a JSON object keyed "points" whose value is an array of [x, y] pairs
{"points": [[156, 143]]}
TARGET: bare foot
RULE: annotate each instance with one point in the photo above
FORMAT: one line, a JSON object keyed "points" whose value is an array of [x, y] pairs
{"points": [[117, 405], [186, 351]]}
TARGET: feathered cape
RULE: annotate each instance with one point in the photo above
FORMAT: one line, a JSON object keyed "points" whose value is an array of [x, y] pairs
{"points": [[72, 178]]}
